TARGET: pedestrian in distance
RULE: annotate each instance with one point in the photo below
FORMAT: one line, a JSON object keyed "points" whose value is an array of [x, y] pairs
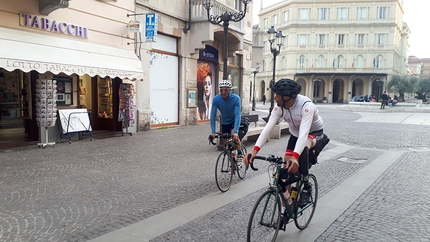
{"points": [[264, 99], [384, 100]]}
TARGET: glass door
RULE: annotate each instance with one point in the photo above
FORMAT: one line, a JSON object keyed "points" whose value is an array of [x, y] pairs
{"points": [[105, 98]]}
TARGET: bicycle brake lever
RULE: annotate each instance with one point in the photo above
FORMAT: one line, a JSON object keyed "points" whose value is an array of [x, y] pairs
{"points": [[252, 164], [211, 140]]}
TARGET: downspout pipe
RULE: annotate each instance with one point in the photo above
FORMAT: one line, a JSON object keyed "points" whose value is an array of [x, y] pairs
{"points": [[188, 24]]}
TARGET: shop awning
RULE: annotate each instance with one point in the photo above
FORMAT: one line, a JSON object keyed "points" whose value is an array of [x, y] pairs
{"points": [[28, 51]]}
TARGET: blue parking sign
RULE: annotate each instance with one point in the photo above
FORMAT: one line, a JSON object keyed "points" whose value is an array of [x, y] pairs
{"points": [[151, 25]]}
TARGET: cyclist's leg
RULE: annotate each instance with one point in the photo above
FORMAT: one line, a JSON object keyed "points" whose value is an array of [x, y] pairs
{"points": [[225, 128], [237, 143], [288, 153]]}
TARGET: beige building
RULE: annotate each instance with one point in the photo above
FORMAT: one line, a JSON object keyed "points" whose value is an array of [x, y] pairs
{"points": [[91, 47], [337, 49], [70, 56], [185, 64]]}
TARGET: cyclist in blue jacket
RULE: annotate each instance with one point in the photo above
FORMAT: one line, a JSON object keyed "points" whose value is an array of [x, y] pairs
{"points": [[229, 106]]}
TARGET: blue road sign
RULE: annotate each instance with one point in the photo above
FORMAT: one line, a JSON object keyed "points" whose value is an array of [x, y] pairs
{"points": [[151, 25]]}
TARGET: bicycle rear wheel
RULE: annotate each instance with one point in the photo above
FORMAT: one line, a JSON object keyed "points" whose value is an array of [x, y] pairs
{"points": [[223, 172], [304, 215], [241, 167], [265, 218]]}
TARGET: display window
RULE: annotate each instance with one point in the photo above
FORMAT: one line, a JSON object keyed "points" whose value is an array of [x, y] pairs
{"points": [[105, 97]]}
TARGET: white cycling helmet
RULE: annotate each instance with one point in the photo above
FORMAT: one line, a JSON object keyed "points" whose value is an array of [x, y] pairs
{"points": [[225, 83]]}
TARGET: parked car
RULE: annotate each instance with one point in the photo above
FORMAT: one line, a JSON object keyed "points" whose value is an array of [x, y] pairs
{"points": [[358, 98]]}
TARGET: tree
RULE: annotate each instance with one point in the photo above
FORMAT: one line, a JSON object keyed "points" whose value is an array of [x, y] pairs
{"points": [[403, 84], [423, 88]]}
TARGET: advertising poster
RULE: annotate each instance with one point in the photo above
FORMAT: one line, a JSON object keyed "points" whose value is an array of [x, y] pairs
{"points": [[205, 88]]}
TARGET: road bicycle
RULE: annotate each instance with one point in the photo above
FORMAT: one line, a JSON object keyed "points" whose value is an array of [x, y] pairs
{"points": [[266, 219], [228, 162]]}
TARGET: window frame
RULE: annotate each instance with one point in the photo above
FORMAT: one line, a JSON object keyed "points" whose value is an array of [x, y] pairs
{"points": [[304, 12], [341, 13], [382, 12], [323, 14], [341, 39], [360, 13]]}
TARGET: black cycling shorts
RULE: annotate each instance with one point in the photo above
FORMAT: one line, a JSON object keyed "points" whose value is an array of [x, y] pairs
{"points": [[226, 128], [293, 139]]}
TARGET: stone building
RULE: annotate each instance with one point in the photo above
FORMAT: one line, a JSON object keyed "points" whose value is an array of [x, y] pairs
{"points": [[337, 49]]}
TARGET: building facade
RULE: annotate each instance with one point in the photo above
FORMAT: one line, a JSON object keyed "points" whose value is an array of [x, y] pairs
{"points": [[65, 55], [337, 49], [185, 64]]}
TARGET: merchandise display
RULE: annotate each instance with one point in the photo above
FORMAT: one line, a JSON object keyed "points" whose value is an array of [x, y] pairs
{"points": [[126, 104], [46, 107]]}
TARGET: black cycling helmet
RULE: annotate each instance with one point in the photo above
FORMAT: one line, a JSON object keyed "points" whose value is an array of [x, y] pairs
{"points": [[286, 87]]}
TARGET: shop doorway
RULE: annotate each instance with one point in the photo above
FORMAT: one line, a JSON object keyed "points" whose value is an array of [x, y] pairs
{"points": [[15, 119], [103, 105]]}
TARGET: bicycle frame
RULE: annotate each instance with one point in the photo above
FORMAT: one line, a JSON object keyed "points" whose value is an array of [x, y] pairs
{"points": [[289, 208]]}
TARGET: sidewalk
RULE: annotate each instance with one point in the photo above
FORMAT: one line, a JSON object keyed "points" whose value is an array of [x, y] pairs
{"points": [[159, 186], [330, 206]]}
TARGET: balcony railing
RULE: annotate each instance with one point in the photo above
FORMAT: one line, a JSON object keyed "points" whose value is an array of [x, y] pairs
{"points": [[199, 13]]}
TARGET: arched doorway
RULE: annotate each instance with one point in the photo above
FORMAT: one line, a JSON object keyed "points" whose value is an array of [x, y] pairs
{"points": [[338, 91], [377, 88], [263, 89], [357, 87]]}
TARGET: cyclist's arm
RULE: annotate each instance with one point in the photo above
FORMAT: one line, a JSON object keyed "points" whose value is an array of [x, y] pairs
{"points": [[274, 117], [236, 116], [307, 113], [213, 116]]}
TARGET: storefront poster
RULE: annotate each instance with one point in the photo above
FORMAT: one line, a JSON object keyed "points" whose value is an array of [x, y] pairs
{"points": [[205, 90]]}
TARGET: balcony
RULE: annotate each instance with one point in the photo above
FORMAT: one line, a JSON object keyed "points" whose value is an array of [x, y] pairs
{"points": [[206, 32], [199, 14]]}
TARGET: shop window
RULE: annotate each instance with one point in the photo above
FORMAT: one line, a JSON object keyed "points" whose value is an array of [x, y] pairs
{"points": [[105, 98], [64, 91]]}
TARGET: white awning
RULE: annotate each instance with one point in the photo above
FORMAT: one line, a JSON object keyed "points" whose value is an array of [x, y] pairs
{"points": [[28, 51]]}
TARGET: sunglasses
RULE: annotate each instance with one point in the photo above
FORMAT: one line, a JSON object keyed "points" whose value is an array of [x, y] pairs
{"points": [[224, 90]]}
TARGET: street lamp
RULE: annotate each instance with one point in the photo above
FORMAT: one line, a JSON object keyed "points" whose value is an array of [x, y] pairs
{"points": [[253, 91], [225, 18], [280, 38]]}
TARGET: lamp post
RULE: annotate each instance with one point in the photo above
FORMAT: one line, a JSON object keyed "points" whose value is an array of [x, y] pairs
{"points": [[225, 18], [253, 91], [275, 50]]}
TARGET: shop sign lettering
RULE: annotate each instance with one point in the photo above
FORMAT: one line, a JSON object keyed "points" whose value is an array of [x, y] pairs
{"points": [[67, 69], [46, 24]]}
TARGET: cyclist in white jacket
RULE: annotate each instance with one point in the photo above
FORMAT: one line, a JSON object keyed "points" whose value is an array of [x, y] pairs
{"points": [[301, 114]]}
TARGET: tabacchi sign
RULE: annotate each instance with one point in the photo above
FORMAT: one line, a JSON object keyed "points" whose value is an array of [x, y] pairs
{"points": [[46, 24]]}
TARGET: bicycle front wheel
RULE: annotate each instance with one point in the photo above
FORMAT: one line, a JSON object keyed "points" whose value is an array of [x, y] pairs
{"points": [[265, 218], [223, 172], [304, 215], [241, 167]]}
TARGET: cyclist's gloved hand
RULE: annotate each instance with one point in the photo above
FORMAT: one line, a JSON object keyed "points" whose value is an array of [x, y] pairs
{"points": [[292, 165], [235, 137], [211, 138], [249, 157]]}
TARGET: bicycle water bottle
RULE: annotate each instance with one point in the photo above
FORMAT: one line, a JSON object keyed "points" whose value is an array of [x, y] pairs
{"points": [[233, 154], [294, 192], [288, 198]]}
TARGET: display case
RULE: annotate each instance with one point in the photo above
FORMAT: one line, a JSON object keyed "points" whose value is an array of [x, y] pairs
{"points": [[105, 98]]}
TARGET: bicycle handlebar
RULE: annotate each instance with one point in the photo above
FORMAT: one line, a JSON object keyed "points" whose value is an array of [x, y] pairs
{"points": [[218, 135], [270, 158]]}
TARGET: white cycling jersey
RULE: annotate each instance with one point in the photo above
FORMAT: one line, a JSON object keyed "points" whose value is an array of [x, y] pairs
{"points": [[302, 118]]}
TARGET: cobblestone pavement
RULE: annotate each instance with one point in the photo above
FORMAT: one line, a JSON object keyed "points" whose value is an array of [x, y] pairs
{"points": [[80, 191]]}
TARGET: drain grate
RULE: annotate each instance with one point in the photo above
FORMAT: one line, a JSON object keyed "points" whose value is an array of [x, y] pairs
{"points": [[351, 160]]}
